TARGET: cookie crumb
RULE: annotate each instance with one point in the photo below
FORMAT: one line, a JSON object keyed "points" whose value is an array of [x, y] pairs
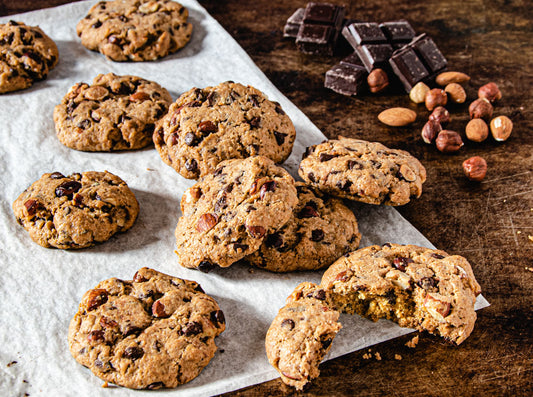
{"points": [[150, 169], [530, 237], [378, 356], [397, 357], [11, 363], [413, 342], [221, 350], [367, 356], [105, 385]]}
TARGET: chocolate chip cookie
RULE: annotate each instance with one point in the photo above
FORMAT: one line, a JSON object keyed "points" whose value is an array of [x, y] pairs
{"points": [[320, 230], [135, 30], [228, 214], [363, 171], [416, 287], [154, 332], [76, 211], [114, 113], [206, 126], [27, 55], [301, 335]]}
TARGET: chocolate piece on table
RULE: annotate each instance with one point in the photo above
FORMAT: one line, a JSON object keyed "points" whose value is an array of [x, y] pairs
{"points": [[348, 77], [293, 23], [320, 28], [375, 43], [420, 60]]}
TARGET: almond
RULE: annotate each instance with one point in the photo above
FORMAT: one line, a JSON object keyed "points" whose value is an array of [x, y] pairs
{"points": [[397, 117], [446, 78]]}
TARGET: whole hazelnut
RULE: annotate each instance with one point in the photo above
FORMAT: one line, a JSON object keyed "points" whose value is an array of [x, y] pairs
{"points": [[501, 128], [456, 92], [475, 168], [430, 131], [440, 114], [435, 97], [477, 130], [448, 141], [418, 92], [480, 109], [490, 91], [377, 80]]}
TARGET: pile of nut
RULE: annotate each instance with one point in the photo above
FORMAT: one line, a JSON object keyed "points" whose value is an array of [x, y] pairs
{"points": [[447, 141]]}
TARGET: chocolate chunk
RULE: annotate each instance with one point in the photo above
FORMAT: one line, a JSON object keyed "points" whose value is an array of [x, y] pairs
{"points": [[96, 336], [427, 283], [280, 137], [133, 353], [205, 266], [268, 186], [293, 23], [192, 328], [217, 317], [326, 343], [317, 235], [31, 206], [320, 295], [323, 157], [346, 79], [191, 165], [207, 127], [274, 240], [67, 189], [256, 231], [191, 139], [401, 263], [437, 256], [308, 212], [288, 324]]}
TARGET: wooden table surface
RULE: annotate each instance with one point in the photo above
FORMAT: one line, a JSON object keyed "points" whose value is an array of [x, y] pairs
{"points": [[490, 223]]}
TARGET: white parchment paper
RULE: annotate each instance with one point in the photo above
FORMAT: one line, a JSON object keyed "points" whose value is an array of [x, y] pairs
{"points": [[40, 288]]}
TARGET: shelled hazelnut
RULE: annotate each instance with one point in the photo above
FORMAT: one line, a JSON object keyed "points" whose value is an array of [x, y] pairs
{"points": [[435, 97], [501, 128], [477, 130], [490, 91], [418, 92], [440, 114], [475, 168], [430, 131], [377, 80], [480, 109], [448, 141]]}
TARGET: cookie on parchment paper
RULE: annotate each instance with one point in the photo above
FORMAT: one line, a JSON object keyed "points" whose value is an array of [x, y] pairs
{"points": [[27, 55], [113, 113], [76, 211], [363, 171], [206, 126], [153, 332], [135, 30]]}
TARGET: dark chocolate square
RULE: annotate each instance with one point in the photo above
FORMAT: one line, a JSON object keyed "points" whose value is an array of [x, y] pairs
{"points": [[398, 31], [324, 14], [429, 53], [408, 67], [364, 33], [374, 55], [346, 79], [352, 60], [293, 23], [316, 39]]}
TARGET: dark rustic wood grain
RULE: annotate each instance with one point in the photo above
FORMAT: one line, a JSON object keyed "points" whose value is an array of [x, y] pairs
{"points": [[488, 222]]}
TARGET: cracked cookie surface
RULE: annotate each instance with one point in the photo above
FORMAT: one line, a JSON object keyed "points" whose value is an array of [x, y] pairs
{"points": [[414, 286], [114, 113], [301, 335], [228, 214], [135, 30], [320, 230], [363, 171], [206, 126], [27, 55], [76, 211], [156, 331]]}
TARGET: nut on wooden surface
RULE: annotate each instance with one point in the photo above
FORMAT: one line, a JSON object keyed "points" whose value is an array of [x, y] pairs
{"points": [[418, 92], [445, 78], [477, 130], [490, 91], [436, 97], [397, 117], [501, 128], [475, 168], [448, 141], [481, 109]]}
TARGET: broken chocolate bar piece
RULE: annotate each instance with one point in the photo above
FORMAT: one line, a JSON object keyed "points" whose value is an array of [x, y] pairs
{"points": [[348, 77], [320, 28], [293, 23], [420, 60], [375, 43]]}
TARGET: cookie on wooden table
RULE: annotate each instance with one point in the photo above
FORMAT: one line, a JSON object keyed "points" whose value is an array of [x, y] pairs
{"points": [[320, 230], [153, 332], [228, 214], [27, 55], [135, 30], [301, 335], [416, 287], [206, 126], [363, 171], [76, 211], [113, 113]]}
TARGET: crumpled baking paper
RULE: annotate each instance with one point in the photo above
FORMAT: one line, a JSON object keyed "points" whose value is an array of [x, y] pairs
{"points": [[40, 288]]}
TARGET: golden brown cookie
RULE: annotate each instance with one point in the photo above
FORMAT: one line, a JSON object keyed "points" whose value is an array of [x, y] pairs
{"points": [[153, 332]]}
